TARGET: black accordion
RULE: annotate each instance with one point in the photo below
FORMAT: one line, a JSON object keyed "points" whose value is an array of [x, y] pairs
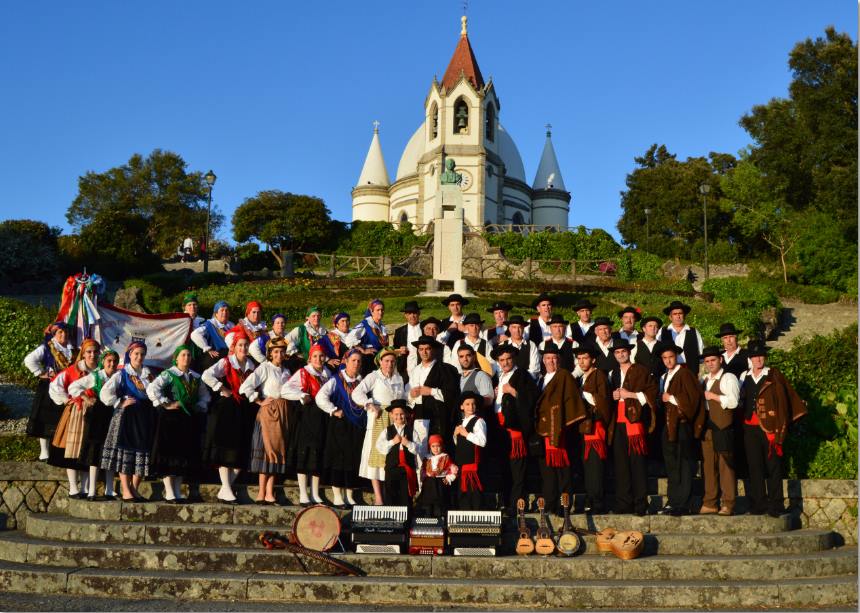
{"points": [[474, 533], [379, 529]]}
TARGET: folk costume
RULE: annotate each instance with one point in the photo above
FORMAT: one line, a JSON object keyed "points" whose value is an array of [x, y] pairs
{"points": [[301, 338], [369, 334], [605, 350], [402, 460], [736, 362], [527, 354], [493, 333], [479, 382], [404, 336], [334, 343], [564, 347], [254, 331], [434, 413], [438, 473], [582, 332], [643, 353], [211, 336], [687, 338], [468, 451], [447, 334], [594, 387]]}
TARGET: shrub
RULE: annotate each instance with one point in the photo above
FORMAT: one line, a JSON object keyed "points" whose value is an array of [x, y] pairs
{"points": [[825, 256], [28, 249], [744, 299], [18, 448], [636, 265], [548, 245], [21, 330], [381, 238]]}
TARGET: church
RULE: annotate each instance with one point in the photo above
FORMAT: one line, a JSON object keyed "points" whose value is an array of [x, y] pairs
{"points": [[462, 121]]}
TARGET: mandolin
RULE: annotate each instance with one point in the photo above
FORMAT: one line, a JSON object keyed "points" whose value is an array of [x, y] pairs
{"points": [[544, 544], [568, 541], [525, 544]]}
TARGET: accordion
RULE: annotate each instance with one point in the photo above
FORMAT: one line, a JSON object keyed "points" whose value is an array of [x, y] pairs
{"points": [[474, 533], [427, 536], [379, 529]]}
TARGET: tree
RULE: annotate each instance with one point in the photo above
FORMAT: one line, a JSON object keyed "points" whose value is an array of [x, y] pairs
{"points": [[169, 201], [28, 249], [112, 245], [283, 222]]}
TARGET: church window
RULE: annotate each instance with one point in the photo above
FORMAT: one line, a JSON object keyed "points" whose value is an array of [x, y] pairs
{"points": [[518, 220], [461, 117], [434, 121], [490, 119], [404, 217]]}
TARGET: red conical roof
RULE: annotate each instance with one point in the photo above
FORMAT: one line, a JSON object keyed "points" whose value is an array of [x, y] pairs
{"points": [[463, 61]]}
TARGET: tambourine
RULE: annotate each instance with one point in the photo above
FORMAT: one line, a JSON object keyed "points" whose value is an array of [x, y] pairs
{"points": [[316, 527]]}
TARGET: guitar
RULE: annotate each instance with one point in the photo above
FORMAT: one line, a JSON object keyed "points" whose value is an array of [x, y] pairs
{"points": [[568, 541], [544, 544], [525, 544]]}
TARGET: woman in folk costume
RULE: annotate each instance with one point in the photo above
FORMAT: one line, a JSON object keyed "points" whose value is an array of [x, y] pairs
{"points": [[345, 430], [402, 458], [438, 472], [177, 393], [258, 345], [375, 392], [47, 360], [253, 323], [190, 307], [128, 445], [370, 336], [210, 337], [307, 435], [231, 417], [66, 443], [303, 337], [470, 439], [334, 342], [271, 427], [98, 420]]}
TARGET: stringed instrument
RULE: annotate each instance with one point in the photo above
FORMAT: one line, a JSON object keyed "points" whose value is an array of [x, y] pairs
{"points": [[628, 545], [544, 544], [604, 539], [525, 544], [568, 542]]}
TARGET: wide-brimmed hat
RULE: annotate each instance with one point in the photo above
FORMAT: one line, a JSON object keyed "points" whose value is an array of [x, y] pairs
{"points": [[516, 319], [472, 318], [543, 297], [645, 320], [411, 306], [558, 318], [637, 313], [677, 304], [479, 400], [586, 348], [712, 352], [500, 305], [602, 321], [399, 403], [662, 348], [550, 349], [757, 347], [455, 298], [584, 304], [727, 329], [427, 340], [504, 348], [620, 343], [430, 320]]}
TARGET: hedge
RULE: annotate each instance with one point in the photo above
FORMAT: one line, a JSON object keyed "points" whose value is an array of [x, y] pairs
{"points": [[21, 329]]}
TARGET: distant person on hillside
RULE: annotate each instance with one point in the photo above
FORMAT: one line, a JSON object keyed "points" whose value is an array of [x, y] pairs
{"points": [[187, 248]]}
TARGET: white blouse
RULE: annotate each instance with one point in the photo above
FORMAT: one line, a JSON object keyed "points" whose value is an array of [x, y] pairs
{"points": [[266, 381], [157, 390]]}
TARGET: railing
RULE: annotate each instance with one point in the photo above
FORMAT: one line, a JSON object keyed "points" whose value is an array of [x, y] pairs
{"points": [[334, 264], [495, 228]]}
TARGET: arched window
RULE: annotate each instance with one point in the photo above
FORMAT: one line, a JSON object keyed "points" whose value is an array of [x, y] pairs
{"points": [[518, 220], [461, 117], [434, 121], [404, 217], [490, 121]]}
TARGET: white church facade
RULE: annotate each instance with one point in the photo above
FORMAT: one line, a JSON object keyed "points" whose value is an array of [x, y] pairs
{"points": [[461, 121]]}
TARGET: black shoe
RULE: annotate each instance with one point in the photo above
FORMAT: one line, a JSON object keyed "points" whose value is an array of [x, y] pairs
{"points": [[776, 513], [341, 507], [667, 510], [131, 500], [140, 499], [78, 496], [678, 512], [756, 512], [230, 502]]}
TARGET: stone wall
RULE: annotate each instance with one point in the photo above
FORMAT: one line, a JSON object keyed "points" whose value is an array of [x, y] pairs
{"points": [[825, 503]]}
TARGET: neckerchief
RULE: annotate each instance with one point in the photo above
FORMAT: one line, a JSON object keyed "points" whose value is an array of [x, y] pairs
{"points": [[343, 389], [184, 392]]}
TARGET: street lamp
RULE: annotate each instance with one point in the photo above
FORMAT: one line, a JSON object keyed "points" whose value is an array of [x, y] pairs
{"points": [[647, 230], [704, 188], [210, 180]]}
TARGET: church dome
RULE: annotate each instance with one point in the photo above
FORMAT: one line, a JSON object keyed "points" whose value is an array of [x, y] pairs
{"points": [[414, 150]]}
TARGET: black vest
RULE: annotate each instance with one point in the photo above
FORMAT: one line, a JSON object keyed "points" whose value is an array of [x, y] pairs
{"points": [[453, 335], [577, 335], [465, 451], [691, 347], [738, 365], [524, 356], [493, 333], [607, 362], [648, 359], [565, 356], [749, 395], [535, 332], [392, 460]]}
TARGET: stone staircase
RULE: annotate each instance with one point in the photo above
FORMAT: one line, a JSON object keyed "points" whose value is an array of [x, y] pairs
{"points": [[209, 551]]}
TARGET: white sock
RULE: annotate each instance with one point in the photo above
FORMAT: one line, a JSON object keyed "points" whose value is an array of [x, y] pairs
{"points": [[303, 488], [337, 495], [72, 475], [85, 481], [177, 488], [109, 477], [43, 449], [234, 472], [94, 481], [168, 488], [226, 492], [315, 489], [349, 498]]}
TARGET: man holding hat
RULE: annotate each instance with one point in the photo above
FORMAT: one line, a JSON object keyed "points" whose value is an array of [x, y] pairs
{"points": [[770, 405], [404, 336], [644, 352], [433, 390], [400, 445], [430, 327], [735, 359], [582, 331], [472, 326], [527, 358], [594, 387], [558, 325], [629, 316], [685, 420], [499, 332], [681, 334], [452, 326], [602, 341], [721, 393]]}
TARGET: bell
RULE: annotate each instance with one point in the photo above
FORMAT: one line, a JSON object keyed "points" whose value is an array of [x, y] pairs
{"points": [[461, 122]]}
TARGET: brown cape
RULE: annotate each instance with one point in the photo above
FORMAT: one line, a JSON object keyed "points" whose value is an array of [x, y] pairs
{"points": [[778, 405], [685, 388], [558, 406]]}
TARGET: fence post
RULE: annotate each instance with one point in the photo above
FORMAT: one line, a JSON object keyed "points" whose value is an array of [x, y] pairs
{"points": [[386, 265], [573, 269], [332, 272]]}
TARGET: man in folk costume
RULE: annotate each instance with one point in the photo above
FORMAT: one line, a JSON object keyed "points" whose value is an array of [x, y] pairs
{"points": [[470, 439], [629, 315], [594, 387], [514, 407], [346, 429], [583, 330], [735, 358], [334, 343], [307, 438], [473, 379], [681, 334], [603, 342], [472, 324], [53, 356], [404, 336], [498, 332], [685, 420], [539, 326], [643, 352], [527, 354], [438, 472], [559, 406], [634, 391], [370, 335], [770, 406], [451, 329], [210, 337], [68, 438], [401, 446], [721, 396], [301, 338], [432, 392], [253, 322], [278, 330], [564, 345]]}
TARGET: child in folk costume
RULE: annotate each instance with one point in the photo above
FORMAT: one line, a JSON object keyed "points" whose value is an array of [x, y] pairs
{"points": [[470, 439], [231, 418], [271, 427], [375, 392], [177, 393], [345, 429], [210, 337], [437, 474], [257, 349], [594, 387], [68, 437], [402, 458], [128, 445], [53, 356], [307, 436], [370, 335], [335, 341], [303, 337], [98, 420]]}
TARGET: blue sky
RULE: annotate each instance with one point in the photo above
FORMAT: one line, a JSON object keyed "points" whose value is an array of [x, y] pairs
{"points": [[281, 95]]}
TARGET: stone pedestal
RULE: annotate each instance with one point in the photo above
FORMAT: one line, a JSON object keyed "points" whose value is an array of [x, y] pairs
{"points": [[448, 237]]}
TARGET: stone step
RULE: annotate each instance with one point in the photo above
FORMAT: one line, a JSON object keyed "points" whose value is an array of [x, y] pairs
{"points": [[429, 591], [17, 547], [254, 514], [64, 528]]}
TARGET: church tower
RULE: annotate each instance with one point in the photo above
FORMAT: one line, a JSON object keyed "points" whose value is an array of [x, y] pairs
{"points": [[550, 201], [370, 201]]}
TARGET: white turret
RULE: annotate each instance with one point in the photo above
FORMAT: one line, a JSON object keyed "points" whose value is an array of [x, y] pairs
{"points": [[550, 200], [370, 200]]}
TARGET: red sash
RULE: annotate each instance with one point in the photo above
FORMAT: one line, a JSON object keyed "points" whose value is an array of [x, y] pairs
{"points": [[310, 383], [234, 379], [637, 443], [772, 445], [596, 441], [411, 476], [518, 445], [556, 457], [469, 479]]}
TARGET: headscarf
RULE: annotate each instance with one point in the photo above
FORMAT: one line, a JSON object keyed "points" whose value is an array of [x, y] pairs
{"points": [[251, 305], [435, 439], [338, 317], [237, 334], [180, 349], [276, 316], [313, 309], [133, 345], [372, 304], [382, 353], [219, 305], [88, 342], [105, 354], [99, 382], [316, 348], [189, 297], [49, 361]]}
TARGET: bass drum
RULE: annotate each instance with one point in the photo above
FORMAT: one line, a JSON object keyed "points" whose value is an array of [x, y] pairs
{"points": [[317, 528]]}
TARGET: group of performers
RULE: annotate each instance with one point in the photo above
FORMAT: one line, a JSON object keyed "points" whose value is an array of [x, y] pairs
{"points": [[438, 415]]}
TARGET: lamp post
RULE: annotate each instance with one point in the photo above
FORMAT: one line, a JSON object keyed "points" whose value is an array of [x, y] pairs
{"points": [[704, 188], [647, 229], [210, 180]]}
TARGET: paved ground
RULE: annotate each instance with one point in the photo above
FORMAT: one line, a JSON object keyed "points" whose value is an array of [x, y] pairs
{"points": [[805, 320]]}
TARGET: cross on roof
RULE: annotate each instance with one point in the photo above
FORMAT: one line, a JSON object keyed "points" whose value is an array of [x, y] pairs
{"points": [[548, 129], [376, 125]]}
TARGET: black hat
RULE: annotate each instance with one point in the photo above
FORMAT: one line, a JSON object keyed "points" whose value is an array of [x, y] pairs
{"points": [[637, 314], [427, 340], [727, 330], [662, 348], [550, 349], [620, 343], [584, 304], [558, 319], [677, 304], [455, 298], [411, 307], [500, 305], [543, 297], [479, 400], [645, 320], [586, 348], [430, 320], [472, 318], [503, 349], [757, 347], [399, 403], [602, 321], [516, 319], [712, 352]]}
